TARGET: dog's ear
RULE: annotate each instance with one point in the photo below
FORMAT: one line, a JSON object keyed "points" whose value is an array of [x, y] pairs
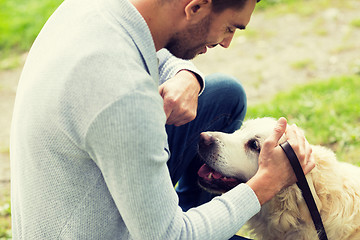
{"points": [[303, 209]]}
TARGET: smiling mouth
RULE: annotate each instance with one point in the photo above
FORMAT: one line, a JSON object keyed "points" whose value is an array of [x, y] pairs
{"points": [[214, 182]]}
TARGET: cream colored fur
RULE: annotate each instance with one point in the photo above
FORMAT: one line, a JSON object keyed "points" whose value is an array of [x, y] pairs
{"points": [[336, 189], [335, 186]]}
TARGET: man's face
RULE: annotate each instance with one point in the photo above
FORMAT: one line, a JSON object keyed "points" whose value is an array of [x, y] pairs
{"points": [[189, 43], [212, 30]]}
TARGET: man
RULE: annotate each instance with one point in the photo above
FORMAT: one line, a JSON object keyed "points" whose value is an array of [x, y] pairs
{"points": [[91, 156]]}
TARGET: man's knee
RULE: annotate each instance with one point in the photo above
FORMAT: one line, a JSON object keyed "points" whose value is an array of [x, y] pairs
{"points": [[226, 87], [226, 91]]}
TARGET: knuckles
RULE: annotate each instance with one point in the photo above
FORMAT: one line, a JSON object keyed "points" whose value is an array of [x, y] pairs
{"points": [[170, 101]]}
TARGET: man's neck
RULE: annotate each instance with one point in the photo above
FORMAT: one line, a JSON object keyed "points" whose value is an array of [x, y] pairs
{"points": [[160, 19]]}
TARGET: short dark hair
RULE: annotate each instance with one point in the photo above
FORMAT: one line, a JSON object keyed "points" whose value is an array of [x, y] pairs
{"points": [[220, 5]]}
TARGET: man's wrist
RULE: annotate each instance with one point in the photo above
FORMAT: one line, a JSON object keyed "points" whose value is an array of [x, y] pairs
{"points": [[196, 77], [261, 187]]}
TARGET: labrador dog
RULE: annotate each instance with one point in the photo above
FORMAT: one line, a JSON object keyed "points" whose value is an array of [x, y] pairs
{"points": [[233, 158]]}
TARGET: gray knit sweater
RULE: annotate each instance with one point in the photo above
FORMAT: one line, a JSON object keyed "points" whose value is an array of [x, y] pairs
{"points": [[88, 142]]}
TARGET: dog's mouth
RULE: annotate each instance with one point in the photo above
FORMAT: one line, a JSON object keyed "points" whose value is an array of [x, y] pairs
{"points": [[214, 182]]}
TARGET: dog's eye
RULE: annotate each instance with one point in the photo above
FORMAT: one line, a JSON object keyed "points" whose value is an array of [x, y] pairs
{"points": [[254, 145]]}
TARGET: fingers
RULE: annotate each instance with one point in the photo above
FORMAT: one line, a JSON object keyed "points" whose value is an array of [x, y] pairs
{"points": [[310, 165], [301, 147], [178, 111], [179, 118], [297, 141], [278, 132], [167, 109], [180, 97]]}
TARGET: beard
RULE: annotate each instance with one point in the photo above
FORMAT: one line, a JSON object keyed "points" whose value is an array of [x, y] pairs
{"points": [[188, 43]]}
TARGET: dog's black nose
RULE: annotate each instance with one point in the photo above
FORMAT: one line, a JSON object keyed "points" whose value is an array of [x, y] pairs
{"points": [[206, 140]]}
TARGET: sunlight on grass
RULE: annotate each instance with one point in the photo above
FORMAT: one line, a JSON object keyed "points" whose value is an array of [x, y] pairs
{"points": [[303, 64], [302, 8], [10, 62], [21, 21], [5, 215], [355, 23]]}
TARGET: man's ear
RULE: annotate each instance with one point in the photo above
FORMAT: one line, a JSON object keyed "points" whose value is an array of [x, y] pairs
{"points": [[197, 8]]}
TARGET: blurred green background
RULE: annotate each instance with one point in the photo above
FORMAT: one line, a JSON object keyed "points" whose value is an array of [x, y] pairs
{"points": [[21, 21]]}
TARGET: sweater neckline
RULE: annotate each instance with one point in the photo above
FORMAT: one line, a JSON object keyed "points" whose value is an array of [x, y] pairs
{"points": [[132, 21]]}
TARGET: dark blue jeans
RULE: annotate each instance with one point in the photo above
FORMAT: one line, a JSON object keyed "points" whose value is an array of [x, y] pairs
{"points": [[221, 107]]}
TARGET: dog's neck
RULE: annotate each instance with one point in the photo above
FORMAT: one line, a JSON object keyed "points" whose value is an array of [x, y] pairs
{"points": [[286, 212]]}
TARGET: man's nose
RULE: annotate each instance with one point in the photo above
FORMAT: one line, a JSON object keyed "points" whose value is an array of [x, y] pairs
{"points": [[226, 42]]}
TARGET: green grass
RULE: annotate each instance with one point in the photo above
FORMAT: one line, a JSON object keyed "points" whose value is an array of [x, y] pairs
{"points": [[303, 64], [21, 21], [355, 23], [263, 4], [328, 111], [302, 7], [5, 216]]}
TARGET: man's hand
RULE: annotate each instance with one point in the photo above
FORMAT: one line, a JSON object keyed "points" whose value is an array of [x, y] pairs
{"points": [[180, 95], [275, 171]]}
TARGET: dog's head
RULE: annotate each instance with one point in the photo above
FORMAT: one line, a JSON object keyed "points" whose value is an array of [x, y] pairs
{"points": [[231, 159]]}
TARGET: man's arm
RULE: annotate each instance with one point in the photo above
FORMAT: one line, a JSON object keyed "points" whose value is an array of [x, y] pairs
{"points": [[180, 85], [127, 141]]}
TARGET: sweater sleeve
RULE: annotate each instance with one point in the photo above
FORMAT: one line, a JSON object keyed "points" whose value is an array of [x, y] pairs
{"points": [[128, 142], [169, 65]]}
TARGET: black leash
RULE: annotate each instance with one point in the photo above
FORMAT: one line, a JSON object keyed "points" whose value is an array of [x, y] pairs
{"points": [[305, 189]]}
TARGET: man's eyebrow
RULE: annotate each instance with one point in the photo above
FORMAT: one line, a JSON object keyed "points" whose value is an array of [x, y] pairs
{"points": [[241, 27]]}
